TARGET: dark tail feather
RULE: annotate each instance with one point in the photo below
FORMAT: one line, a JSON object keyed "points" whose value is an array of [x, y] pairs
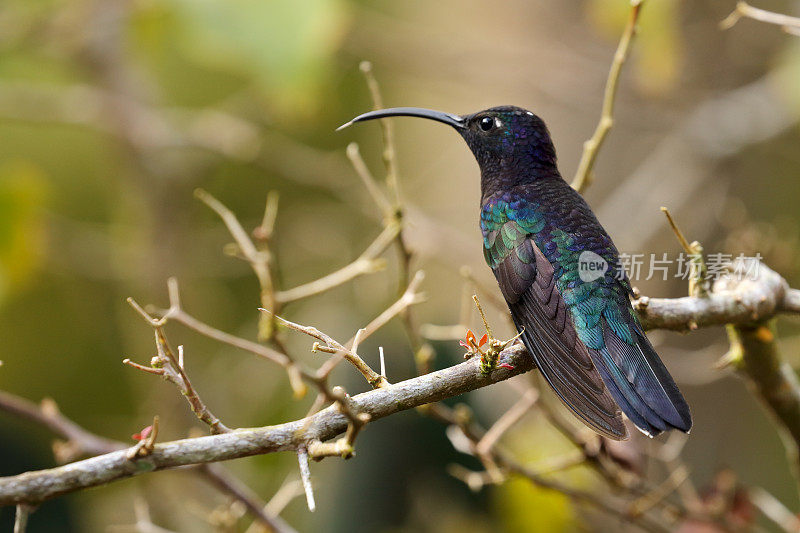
{"points": [[621, 398], [641, 384]]}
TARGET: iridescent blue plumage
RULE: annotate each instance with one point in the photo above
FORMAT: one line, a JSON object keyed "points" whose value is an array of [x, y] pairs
{"points": [[579, 326], [535, 212]]}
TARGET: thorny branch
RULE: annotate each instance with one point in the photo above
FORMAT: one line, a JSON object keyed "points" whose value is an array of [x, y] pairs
{"points": [[80, 442], [753, 352], [171, 368], [34, 487], [422, 352], [261, 260], [467, 438], [328, 423], [744, 304]]}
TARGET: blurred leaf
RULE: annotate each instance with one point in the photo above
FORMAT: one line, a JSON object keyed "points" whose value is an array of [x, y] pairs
{"points": [[286, 45], [657, 51], [526, 508], [22, 189], [788, 77]]}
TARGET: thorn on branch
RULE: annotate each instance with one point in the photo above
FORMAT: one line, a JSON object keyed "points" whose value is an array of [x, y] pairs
{"points": [[698, 274], [21, 518], [305, 476], [148, 369]]}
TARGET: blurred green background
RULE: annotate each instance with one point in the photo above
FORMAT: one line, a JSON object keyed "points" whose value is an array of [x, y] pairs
{"points": [[113, 111]]}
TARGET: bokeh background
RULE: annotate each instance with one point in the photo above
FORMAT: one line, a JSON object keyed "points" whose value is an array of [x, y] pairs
{"points": [[113, 111]]}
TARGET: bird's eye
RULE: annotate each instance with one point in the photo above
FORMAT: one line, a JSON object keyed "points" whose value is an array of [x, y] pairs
{"points": [[486, 124]]}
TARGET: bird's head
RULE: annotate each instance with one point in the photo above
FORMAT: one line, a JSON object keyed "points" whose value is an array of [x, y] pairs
{"points": [[503, 139]]}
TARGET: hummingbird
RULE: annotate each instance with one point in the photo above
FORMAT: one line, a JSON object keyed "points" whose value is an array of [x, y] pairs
{"points": [[561, 277]]}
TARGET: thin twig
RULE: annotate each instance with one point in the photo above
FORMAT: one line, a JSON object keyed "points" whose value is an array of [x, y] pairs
{"points": [[143, 524], [168, 366], [773, 509], [178, 314], [698, 274], [230, 485], [288, 491], [678, 233], [504, 423], [583, 176], [367, 263], [410, 297], [422, 352], [265, 230], [389, 153], [483, 448], [676, 478], [182, 317], [79, 441], [743, 9], [260, 260], [334, 347], [239, 234], [354, 155]]}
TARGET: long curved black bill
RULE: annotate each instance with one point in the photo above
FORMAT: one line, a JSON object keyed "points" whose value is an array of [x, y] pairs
{"points": [[439, 116]]}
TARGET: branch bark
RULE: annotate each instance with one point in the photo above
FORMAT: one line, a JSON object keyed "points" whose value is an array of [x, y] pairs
{"points": [[35, 487], [732, 301], [744, 302], [754, 354]]}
